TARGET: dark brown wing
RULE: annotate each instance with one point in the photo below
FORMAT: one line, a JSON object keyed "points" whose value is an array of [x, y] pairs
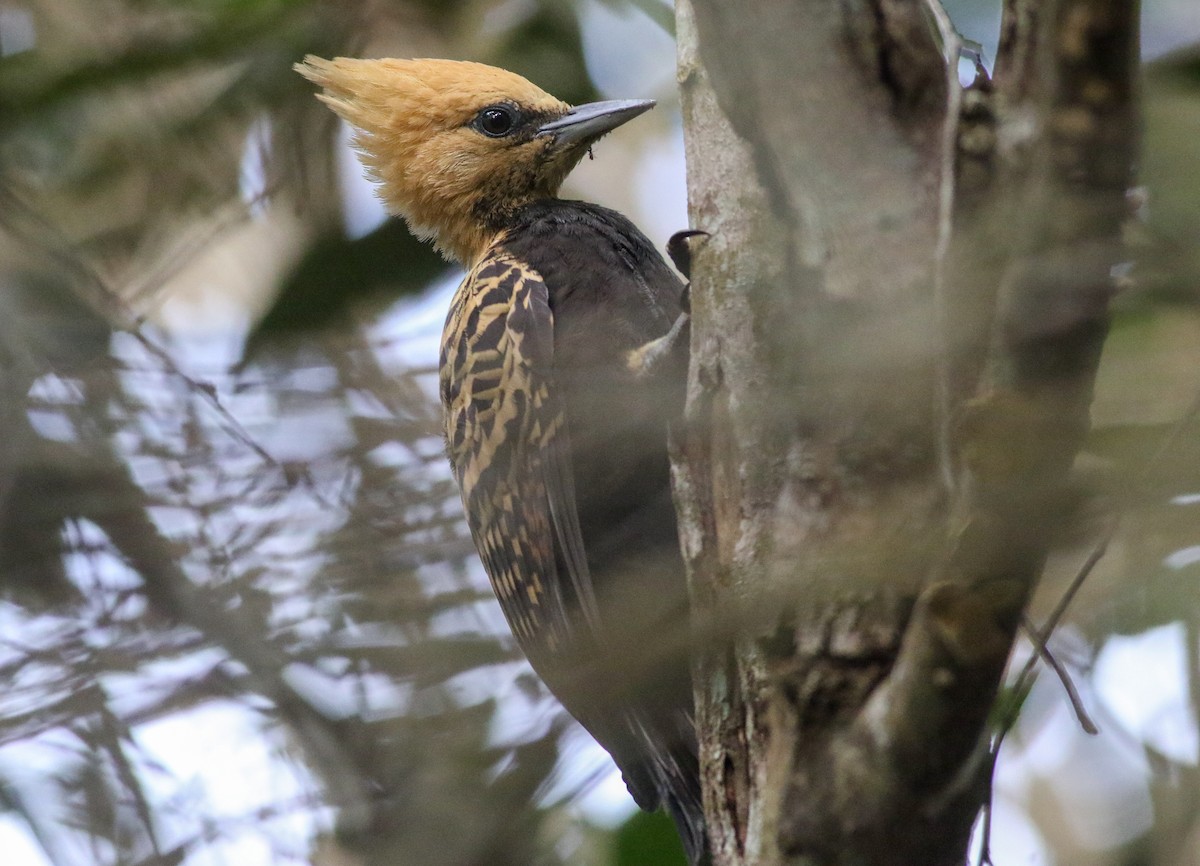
{"points": [[508, 444], [556, 444]]}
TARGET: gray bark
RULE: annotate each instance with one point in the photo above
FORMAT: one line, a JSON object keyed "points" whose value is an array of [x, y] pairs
{"points": [[897, 321]]}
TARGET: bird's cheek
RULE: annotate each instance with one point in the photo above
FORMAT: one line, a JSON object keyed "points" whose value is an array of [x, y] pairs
{"points": [[450, 171], [543, 168]]}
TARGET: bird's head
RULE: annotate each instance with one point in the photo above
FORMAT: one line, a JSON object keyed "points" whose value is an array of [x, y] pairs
{"points": [[457, 147]]}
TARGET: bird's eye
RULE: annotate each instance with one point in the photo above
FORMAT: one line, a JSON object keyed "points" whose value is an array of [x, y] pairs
{"points": [[495, 120]]}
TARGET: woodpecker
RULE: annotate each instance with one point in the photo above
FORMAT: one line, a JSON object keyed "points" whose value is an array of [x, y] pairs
{"points": [[561, 365]]}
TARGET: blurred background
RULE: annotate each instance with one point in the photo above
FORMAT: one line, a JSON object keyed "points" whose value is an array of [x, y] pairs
{"points": [[240, 618]]}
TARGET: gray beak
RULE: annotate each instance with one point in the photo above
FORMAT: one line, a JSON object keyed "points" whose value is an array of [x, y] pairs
{"points": [[589, 122]]}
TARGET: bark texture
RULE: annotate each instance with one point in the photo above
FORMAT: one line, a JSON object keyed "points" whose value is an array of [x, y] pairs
{"points": [[897, 321]]}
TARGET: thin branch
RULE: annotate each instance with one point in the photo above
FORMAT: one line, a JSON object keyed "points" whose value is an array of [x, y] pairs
{"points": [[1020, 693], [1068, 684], [113, 307], [111, 733]]}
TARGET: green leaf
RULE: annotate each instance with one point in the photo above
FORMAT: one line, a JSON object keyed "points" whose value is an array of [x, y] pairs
{"points": [[648, 839]]}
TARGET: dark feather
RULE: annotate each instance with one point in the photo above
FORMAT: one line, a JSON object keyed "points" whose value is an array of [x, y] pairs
{"points": [[561, 455]]}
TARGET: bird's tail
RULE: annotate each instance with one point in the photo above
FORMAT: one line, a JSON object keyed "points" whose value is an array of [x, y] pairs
{"points": [[675, 771], [683, 803]]}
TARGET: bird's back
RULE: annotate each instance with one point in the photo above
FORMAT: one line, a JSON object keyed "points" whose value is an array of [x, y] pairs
{"points": [[610, 292]]}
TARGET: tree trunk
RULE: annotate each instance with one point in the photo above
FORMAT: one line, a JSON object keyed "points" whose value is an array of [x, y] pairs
{"points": [[897, 321]]}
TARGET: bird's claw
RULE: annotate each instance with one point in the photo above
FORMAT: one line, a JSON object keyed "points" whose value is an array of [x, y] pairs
{"points": [[680, 250]]}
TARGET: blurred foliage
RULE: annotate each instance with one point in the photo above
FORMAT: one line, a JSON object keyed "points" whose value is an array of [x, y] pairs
{"points": [[338, 276], [285, 541]]}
